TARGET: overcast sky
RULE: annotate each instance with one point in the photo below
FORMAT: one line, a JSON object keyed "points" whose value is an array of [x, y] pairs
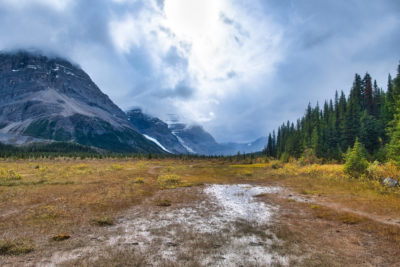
{"points": [[239, 68]]}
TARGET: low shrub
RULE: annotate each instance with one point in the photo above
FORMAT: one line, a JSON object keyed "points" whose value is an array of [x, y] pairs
{"points": [[103, 221], [276, 165], [320, 211], [163, 203], [139, 180], [61, 237], [9, 175], [247, 172], [169, 181], [80, 166], [349, 218], [309, 157], [15, 247], [116, 167], [375, 171]]}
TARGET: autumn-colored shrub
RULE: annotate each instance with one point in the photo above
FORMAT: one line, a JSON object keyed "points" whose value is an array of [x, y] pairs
{"points": [[169, 181]]}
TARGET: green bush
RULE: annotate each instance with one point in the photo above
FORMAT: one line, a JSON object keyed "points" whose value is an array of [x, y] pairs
{"points": [[285, 157], [356, 162], [394, 145]]}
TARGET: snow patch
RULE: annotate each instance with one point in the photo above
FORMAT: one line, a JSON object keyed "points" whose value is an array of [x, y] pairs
{"points": [[32, 67], [156, 142], [69, 73], [183, 143]]}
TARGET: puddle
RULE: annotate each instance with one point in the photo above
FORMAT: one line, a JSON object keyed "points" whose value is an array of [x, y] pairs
{"points": [[228, 226]]}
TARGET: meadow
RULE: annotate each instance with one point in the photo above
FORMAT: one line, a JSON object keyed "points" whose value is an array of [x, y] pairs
{"points": [[50, 205]]}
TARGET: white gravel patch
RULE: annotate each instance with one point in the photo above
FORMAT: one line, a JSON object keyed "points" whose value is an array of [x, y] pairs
{"points": [[163, 234]]}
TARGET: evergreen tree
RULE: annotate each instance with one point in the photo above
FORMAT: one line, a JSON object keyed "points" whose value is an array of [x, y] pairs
{"points": [[366, 115], [369, 133], [368, 94], [394, 129], [356, 163], [394, 145]]}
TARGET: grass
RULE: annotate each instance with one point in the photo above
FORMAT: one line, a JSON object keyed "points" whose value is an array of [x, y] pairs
{"points": [[366, 193], [65, 195]]}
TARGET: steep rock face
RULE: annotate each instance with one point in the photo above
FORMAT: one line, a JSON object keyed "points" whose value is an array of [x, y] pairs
{"points": [[50, 98], [155, 128]]}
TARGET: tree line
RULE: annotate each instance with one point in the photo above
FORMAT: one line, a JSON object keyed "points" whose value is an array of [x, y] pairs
{"points": [[369, 114]]}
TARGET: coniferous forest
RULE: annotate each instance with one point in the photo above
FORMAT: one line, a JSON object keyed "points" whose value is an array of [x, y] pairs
{"points": [[369, 115]]}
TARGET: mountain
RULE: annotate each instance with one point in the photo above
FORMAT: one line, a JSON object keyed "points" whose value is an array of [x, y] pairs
{"points": [[179, 138], [199, 141], [52, 99], [156, 130], [249, 147], [195, 139]]}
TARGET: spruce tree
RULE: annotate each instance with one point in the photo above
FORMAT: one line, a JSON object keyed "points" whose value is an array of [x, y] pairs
{"points": [[368, 94]]}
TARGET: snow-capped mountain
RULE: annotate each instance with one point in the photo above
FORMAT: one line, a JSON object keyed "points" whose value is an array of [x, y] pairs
{"points": [[179, 138], [156, 130], [50, 98]]}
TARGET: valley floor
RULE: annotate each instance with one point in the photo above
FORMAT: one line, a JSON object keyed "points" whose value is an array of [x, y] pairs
{"points": [[193, 213]]}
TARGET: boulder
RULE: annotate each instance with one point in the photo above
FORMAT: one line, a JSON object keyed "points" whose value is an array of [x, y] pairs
{"points": [[389, 182]]}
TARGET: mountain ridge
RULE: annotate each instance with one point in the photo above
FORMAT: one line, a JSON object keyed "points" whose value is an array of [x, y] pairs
{"points": [[50, 98]]}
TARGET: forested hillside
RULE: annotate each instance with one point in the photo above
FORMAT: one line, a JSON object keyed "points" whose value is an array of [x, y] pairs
{"points": [[369, 113]]}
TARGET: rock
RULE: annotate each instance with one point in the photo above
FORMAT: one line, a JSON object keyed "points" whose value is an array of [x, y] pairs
{"points": [[255, 244], [171, 244], [389, 182]]}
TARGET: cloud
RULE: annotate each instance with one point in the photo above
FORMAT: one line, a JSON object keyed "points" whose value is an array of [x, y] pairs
{"points": [[239, 68], [59, 5]]}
